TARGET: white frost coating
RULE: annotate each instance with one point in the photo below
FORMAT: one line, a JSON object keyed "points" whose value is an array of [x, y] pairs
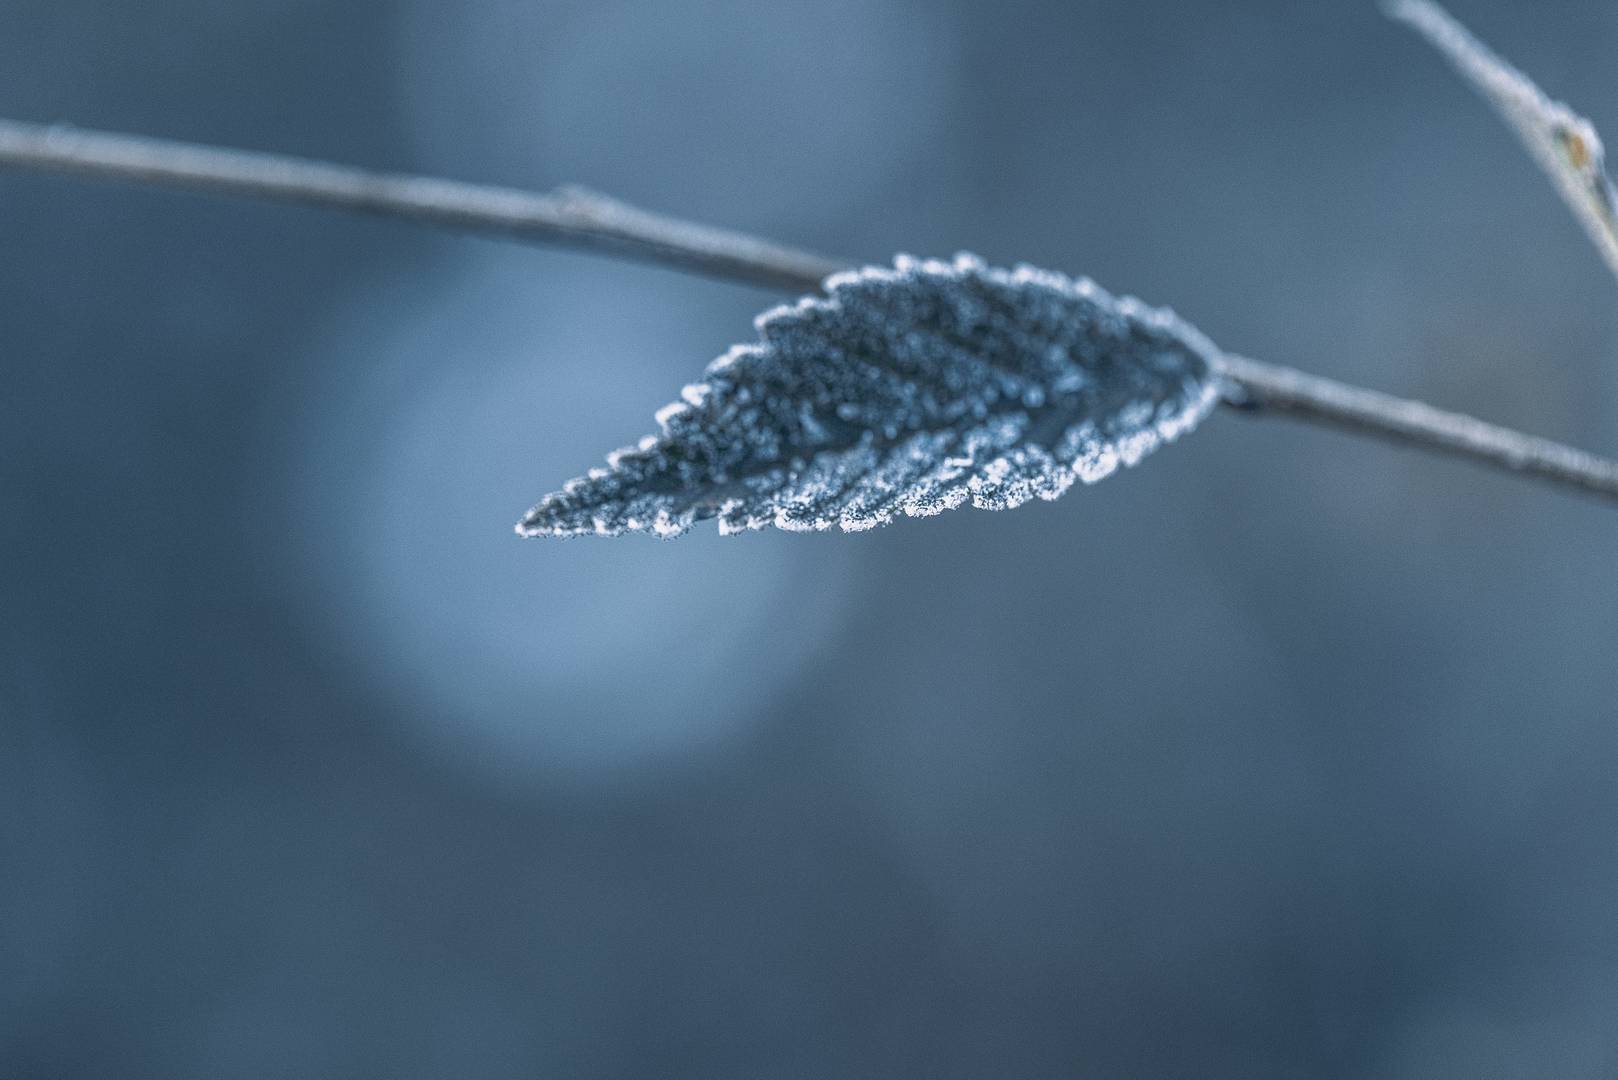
{"points": [[905, 391], [1564, 144]]}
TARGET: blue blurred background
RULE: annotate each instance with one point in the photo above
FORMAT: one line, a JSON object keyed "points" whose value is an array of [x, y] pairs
{"points": [[1285, 755]]}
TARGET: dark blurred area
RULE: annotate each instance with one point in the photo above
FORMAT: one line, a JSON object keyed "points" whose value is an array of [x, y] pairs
{"points": [[1285, 755]]}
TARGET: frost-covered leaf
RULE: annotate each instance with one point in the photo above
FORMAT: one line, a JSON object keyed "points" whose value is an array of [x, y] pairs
{"points": [[905, 391], [1564, 143]]}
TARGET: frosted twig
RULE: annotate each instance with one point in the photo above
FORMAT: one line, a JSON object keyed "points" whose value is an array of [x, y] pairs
{"points": [[1289, 392], [1563, 143], [581, 219], [569, 216]]}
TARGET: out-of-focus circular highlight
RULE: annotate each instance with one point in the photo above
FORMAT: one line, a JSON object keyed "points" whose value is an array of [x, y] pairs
{"points": [[437, 415], [723, 109]]}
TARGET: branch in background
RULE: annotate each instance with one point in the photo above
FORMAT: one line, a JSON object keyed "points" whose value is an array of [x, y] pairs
{"points": [[1562, 142], [582, 219]]}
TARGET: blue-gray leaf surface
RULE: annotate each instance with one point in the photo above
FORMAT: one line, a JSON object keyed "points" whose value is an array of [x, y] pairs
{"points": [[911, 391]]}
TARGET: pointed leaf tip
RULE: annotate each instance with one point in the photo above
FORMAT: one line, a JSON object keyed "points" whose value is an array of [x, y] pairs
{"points": [[911, 391]]}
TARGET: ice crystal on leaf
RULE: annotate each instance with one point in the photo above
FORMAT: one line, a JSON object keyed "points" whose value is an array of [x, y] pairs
{"points": [[910, 391]]}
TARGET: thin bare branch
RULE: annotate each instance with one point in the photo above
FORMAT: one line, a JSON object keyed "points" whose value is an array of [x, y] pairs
{"points": [[1289, 392], [577, 218], [1563, 143], [569, 216]]}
